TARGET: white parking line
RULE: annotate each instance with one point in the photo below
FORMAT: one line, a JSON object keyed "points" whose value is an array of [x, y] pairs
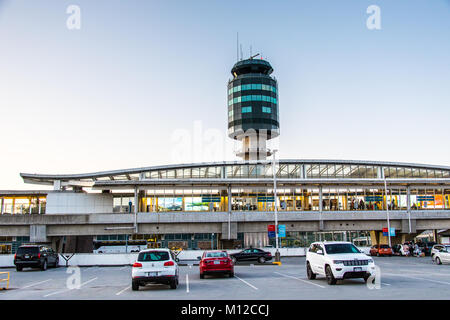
{"points": [[36, 283], [252, 286], [62, 291], [121, 291], [123, 268], [423, 279], [187, 283], [314, 284]]}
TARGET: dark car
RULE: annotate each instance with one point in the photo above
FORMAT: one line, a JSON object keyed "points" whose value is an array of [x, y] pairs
{"points": [[35, 256], [252, 254]]}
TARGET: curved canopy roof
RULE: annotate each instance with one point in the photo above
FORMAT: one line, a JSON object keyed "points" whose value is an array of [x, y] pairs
{"points": [[286, 169]]}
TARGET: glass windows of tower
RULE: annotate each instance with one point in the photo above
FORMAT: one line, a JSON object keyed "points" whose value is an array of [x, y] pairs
{"points": [[246, 109], [266, 109], [230, 113], [253, 86]]}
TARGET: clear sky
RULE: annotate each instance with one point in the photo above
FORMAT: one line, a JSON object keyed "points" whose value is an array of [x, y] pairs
{"points": [[119, 92]]}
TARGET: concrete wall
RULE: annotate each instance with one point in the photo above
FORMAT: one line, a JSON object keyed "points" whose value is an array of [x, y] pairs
{"points": [[78, 203]]}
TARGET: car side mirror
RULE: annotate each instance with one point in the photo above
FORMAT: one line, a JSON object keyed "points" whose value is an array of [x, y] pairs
{"points": [[319, 252], [199, 258]]}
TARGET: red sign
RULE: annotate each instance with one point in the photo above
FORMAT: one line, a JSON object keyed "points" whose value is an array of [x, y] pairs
{"points": [[271, 227], [385, 230]]}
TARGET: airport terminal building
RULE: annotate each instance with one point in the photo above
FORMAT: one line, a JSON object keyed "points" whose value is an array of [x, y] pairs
{"points": [[230, 204]]}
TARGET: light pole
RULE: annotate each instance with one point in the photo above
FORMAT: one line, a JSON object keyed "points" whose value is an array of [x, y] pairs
{"points": [[277, 253], [387, 211]]}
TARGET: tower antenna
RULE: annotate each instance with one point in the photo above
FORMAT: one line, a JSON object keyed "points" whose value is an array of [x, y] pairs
{"points": [[241, 52], [237, 47]]}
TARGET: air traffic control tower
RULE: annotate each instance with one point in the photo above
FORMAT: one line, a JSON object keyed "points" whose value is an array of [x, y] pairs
{"points": [[253, 107]]}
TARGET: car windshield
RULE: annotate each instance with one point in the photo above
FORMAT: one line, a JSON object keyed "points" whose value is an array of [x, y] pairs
{"points": [[341, 248], [153, 256], [384, 246], [216, 255], [28, 250], [447, 248]]}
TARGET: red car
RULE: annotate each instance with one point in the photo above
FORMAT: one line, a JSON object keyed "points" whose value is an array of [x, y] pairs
{"points": [[216, 262], [381, 250]]}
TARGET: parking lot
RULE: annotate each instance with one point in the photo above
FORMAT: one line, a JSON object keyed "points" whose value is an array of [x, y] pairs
{"points": [[401, 278]]}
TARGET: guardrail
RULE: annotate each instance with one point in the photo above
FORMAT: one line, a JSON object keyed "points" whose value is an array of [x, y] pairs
{"points": [[5, 280]]}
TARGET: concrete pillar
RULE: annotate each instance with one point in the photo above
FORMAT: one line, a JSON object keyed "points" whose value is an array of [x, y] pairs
{"points": [[229, 212], [3, 205], [408, 206], [320, 209], [136, 207]]}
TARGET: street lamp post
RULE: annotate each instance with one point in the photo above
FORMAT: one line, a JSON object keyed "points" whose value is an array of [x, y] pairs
{"points": [[277, 252]]}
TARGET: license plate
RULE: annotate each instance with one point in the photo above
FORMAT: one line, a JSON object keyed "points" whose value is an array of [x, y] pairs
{"points": [[152, 274], [216, 262], [27, 256], [357, 269]]}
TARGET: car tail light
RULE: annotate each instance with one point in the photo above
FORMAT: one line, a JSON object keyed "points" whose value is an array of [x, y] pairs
{"points": [[137, 265], [39, 255], [15, 256], [169, 263]]}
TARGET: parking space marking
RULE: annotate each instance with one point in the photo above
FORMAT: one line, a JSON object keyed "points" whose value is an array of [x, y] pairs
{"points": [[423, 279], [35, 284], [66, 290], [187, 283], [123, 268], [308, 282], [122, 291], [250, 285]]}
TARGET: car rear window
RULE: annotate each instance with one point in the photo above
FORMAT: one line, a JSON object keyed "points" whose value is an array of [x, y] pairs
{"points": [[384, 246], [28, 250], [216, 255], [153, 256]]}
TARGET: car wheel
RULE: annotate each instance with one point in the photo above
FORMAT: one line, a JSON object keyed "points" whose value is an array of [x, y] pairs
{"points": [[202, 276], [19, 268], [233, 259], [134, 286], [438, 260], [261, 260], [330, 277], [366, 277], [44, 266], [378, 254], [173, 284], [57, 263], [311, 275], [231, 274]]}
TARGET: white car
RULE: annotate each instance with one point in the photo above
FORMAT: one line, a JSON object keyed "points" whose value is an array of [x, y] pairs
{"points": [[337, 261], [443, 255], [436, 248], [155, 266]]}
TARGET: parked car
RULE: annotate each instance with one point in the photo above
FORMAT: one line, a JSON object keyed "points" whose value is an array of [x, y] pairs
{"points": [[426, 247], [337, 261], [251, 254], [35, 256], [215, 262], [158, 266], [436, 249], [443, 255], [381, 250]]}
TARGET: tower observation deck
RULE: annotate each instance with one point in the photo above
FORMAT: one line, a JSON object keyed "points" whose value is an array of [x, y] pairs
{"points": [[253, 116]]}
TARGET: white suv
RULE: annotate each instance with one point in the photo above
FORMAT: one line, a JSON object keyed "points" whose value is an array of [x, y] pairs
{"points": [[443, 255], [337, 261], [155, 266]]}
